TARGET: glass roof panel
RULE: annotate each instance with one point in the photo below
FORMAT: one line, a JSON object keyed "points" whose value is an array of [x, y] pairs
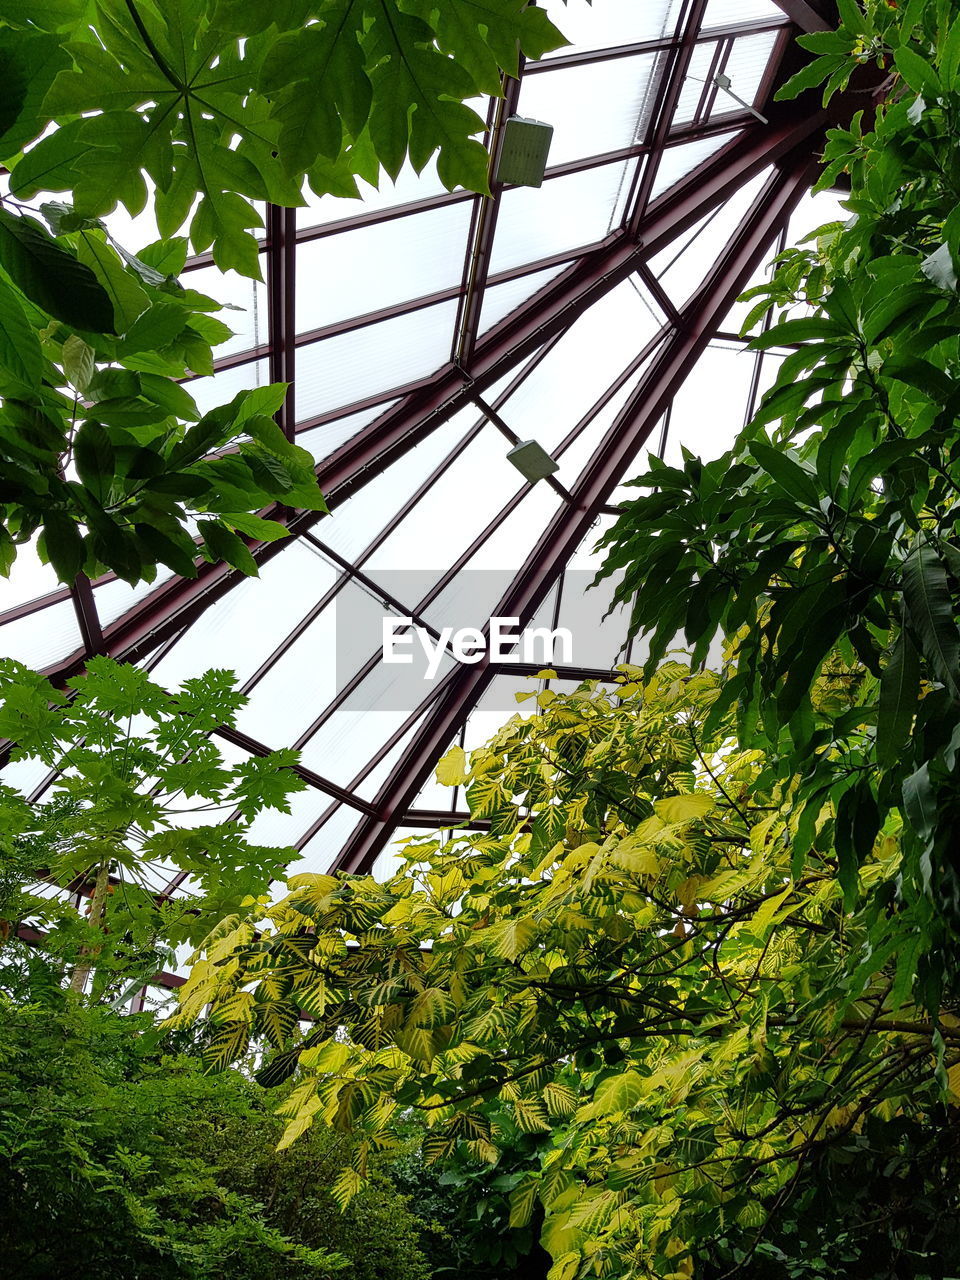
{"points": [[42, 637], [249, 323], [574, 374], [322, 441], [682, 158], [232, 633], [746, 65], [373, 359], [608, 23], [682, 271], [564, 214], [500, 299], [709, 408], [595, 108], [223, 385], [115, 597], [721, 13], [356, 272], [354, 524], [694, 82]]}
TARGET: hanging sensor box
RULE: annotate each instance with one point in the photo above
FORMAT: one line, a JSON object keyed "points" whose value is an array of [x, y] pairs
{"points": [[523, 152], [532, 461]]}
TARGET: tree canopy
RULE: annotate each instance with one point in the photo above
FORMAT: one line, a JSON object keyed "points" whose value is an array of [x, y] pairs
{"points": [[626, 959]]}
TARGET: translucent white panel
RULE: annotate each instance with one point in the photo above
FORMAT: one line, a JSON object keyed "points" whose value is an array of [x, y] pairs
{"points": [[243, 627], [598, 641], [577, 457], [220, 389], [275, 828], [564, 214], [598, 107], [499, 300], [376, 358], [249, 324], [694, 82], [372, 781], [356, 272], [29, 578], [319, 664], [572, 377], [318, 856], [472, 596], [723, 13], [457, 508], [746, 65], [680, 160], [342, 746], [708, 410], [25, 775], [114, 598], [321, 441], [682, 276], [814, 211], [497, 706], [409, 186], [354, 524], [42, 637], [608, 23]]}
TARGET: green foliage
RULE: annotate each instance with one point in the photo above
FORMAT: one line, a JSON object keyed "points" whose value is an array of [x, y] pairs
{"points": [[628, 972], [120, 1161], [234, 103], [201, 109], [141, 797], [824, 546]]}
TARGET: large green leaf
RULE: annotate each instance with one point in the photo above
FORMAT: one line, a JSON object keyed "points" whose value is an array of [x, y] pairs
{"points": [[20, 354], [51, 276], [899, 692], [932, 616]]}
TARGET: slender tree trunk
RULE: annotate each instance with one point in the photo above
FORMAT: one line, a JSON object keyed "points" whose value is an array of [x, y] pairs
{"points": [[88, 955]]}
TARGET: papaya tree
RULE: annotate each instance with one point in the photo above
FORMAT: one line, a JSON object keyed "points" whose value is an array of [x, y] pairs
{"points": [[144, 822], [623, 954]]}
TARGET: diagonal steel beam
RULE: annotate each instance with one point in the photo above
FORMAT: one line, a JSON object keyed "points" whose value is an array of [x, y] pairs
{"points": [[565, 533], [808, 15]]}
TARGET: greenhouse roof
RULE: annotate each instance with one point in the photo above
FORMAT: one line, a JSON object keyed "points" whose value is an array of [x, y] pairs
{"points": [[424, 333]]}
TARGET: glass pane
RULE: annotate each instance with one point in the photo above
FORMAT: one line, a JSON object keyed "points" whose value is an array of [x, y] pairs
{"points": [[745, 66], [569, 380], [708, 410], [499, 300], [321, 441], [220, 389], [681, 275], [680, 160], [29, 578], [694, 82], [249, 324], [564, 214], [114, 598], [599, 107], [609, 23], [243, 628], [318, 855], [409, 186], [354, 524], [356, 272], [377, 358], [723, 13], [42, 637]]}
